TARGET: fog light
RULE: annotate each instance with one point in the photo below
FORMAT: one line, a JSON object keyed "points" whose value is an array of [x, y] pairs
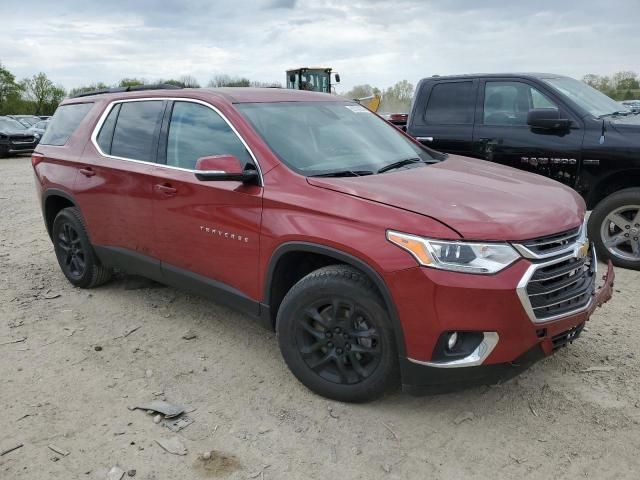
{"points": [[452, 340]]}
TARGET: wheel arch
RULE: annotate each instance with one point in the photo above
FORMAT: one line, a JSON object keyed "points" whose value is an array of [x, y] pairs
{"points": [[276, 284], [54, 200], [613, 183]]}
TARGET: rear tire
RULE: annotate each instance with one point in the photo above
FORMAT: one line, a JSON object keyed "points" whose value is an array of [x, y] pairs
{"points": [[76, 257], [614, 227], [335, 335]]}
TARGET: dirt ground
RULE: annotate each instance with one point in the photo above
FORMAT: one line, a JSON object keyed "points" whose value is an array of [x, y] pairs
{"points": [[72, 361]]}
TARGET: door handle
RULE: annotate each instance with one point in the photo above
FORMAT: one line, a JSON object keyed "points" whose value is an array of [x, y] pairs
{"points": [[424, 139], [166, 189], [87, 172]]}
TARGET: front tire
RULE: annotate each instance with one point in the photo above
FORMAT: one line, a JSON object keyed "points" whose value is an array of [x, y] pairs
{"points": [[76, 257], [614, 226], [335, 335]]}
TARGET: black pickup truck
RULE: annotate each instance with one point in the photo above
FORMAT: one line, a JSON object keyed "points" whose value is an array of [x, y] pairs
{"points": [[552, 125]]}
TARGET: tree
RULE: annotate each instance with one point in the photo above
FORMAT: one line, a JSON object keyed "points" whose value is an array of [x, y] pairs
{"points": [[397, 98], [227, 81], [626, 80], [88, 88], [189, 81], [10, 91], [362, 91], [132, 82], [43, 94]]}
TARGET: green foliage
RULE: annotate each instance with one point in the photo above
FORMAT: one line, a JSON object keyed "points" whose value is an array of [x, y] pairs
{"points": [[131, 82], [88, 88], [623, 85], [42, 94], [227, 81], [10, 92]]}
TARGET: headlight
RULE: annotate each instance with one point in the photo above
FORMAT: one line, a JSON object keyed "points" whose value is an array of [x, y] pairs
{"points": [[470, 257]]}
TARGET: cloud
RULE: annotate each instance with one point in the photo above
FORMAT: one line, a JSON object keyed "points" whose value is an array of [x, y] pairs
{"points": [[367, 41], [290, 4]]}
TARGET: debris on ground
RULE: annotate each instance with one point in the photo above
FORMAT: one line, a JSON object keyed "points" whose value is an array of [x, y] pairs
{"points": [[49, 295], [190, 335], [116, 473], [175, 425], [395, 436], [18, 340], [173, 445], [169, 410], [129, 332], [97, 348], [132, 473], [11, 449], [463, 417], [58, 450], [157, 418], [598, 369]]}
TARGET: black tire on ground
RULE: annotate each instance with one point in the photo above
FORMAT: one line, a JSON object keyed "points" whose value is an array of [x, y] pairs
{"points": [[601, 229], [336, 337], [74, 252]]}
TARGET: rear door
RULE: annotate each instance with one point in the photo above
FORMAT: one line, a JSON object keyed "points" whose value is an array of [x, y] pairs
{"points": [[442, 117], [205, 231], [502, 135], [114, 186]]}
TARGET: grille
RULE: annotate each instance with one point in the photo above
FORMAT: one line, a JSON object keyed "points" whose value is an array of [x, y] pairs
{"points": [[562, 287], [566, 337], [21, 141], [547, 246]]}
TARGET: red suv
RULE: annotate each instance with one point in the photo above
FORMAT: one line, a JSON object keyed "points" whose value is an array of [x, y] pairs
{"points": [[374, 258]]}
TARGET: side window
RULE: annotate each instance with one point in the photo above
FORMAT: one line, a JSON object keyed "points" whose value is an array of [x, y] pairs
{"points": [[105, 136], [135, 130], [64, 122], [451, 103], [508, 103], [197, 131]]}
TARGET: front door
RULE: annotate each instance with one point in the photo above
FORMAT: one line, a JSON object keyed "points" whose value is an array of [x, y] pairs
{"points": [[205, 230], [502, 135]]}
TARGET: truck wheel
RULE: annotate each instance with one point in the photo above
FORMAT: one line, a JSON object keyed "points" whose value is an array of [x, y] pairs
{"points": [[335, 335], [614, 226], [74, 252]]}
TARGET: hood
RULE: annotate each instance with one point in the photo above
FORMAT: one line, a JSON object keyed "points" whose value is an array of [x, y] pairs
{"points": [[13, 132], [480, 200], [626, 123]]}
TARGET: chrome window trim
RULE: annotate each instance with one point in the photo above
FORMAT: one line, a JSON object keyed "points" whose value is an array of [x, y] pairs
{"points": [[521, 289], [475, 358], [580, 239], [105, 114]]}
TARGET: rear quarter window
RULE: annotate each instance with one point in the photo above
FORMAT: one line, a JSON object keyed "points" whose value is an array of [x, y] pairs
{"points": [[64, 122]]}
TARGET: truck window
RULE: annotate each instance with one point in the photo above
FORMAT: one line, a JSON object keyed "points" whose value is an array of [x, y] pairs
{"points": [[508, 103], [451, 103]]}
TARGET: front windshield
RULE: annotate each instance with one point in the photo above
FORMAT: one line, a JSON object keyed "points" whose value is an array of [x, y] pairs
{"points": [[316, 138], [10, 124], [590, 99]]}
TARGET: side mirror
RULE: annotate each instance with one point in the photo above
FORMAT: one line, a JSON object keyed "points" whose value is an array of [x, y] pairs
{"points": [[337, 78], [224, 168], [547, 118]]}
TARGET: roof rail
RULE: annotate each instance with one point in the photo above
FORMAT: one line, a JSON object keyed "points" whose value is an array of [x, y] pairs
{"points": [[134, 88]]}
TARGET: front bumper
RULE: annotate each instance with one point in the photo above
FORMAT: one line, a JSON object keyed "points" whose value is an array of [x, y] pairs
{"points": [[454, 302]]}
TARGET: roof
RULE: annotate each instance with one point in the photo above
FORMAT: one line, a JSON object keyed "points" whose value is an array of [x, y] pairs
{"points": [[230, 94], [496, 75]]}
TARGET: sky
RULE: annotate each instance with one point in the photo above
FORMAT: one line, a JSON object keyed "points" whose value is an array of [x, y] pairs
{"points": [[379, 42]]}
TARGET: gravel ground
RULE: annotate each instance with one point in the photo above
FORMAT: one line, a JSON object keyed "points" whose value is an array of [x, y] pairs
{"points": [[72, 364]]}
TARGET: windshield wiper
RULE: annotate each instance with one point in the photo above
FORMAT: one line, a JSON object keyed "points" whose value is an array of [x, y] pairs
{"points": [[344, 173], [399, 164], [616, 113]]}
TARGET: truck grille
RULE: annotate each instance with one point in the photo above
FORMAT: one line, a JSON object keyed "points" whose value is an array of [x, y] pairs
{"points": [[561, 287], [552, 244]]}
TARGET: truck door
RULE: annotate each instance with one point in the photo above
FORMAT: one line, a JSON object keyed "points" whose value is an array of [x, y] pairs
{"points": [[442, 117], [502, 135]]}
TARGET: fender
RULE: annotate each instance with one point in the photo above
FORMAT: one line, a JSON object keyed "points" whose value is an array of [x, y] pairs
{"points": [[54, 192], [348, 259]]}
